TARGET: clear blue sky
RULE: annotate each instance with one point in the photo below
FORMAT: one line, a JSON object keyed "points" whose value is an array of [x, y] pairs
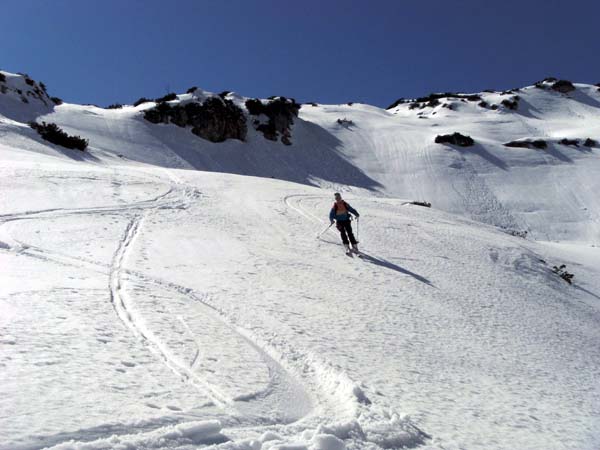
{"points": [[372, 51]]}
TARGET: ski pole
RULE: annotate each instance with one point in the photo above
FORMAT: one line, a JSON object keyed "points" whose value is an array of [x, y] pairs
{"points": [[357, 228], [323, 232]]}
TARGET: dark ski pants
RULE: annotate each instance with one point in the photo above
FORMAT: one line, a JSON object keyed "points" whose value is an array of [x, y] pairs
{"points": [[345, 229]]}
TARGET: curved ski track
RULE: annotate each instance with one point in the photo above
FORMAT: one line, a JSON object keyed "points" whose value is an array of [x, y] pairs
{"points": [[332, 390]]}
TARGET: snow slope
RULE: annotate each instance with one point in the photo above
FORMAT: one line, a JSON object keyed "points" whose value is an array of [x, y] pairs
{"points": [[146, 306]]}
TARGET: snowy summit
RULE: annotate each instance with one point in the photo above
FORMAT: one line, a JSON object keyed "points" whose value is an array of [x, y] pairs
{"points": [[170, 278]]}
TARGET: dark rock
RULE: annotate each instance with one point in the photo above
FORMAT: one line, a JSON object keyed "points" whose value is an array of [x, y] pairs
{"points": [[590, 143], [56, 100], [538, 143], [2, 78], [192, 90], [455, 139], [215, 120], [494, 107], [483, 104], [142, 100], [224, 94], [115, 106], [511, 104], [418, 203], [167, 98], [566, 141], [280, 111], [397, 102], [433, 100], [563, 86]]}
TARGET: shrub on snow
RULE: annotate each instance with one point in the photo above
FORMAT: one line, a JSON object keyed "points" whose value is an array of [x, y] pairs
{"points": [[52, 133]]}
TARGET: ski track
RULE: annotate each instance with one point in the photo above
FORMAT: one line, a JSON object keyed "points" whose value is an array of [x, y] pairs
{"points": [[338, 397]]}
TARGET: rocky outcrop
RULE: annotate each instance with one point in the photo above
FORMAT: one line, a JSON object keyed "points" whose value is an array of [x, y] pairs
{"points": [[455, 139], [527, 143], [512, 103], [563, 86], [433, 100], [24, 99], [280, 113], [215, 119]]}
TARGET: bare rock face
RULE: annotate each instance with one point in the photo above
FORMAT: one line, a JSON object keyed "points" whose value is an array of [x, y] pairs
{"points": [[563, 86], [280, 112], [216, 119]]}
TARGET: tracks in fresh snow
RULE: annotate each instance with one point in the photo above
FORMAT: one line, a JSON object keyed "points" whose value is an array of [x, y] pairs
{"points": [[303, 391], [135, 323], [267, 406]]}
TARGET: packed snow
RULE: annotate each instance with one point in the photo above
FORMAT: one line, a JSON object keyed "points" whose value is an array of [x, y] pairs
{"points": [[160, 291]]}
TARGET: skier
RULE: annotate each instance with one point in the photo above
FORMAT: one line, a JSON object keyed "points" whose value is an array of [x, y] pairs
{"points": [[340, 211]]}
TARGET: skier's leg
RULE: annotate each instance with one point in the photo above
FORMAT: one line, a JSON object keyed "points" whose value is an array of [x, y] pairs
{"points": [[350, 233], [342, 229]]}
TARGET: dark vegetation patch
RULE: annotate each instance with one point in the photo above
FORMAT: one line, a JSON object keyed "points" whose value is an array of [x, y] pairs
{"points": [[512, 103], [115, 106], [561, 271], [167, 98], [455, 139], [345, 122], [563, 86], [517, 233], [139, 101], [433, 100], [418, 203], [527, 143], [565, 141], [215, 119], [280, 111], [52, 133]]}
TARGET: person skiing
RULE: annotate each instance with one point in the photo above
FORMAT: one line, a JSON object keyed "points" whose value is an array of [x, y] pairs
{"points": [[340, 212]]}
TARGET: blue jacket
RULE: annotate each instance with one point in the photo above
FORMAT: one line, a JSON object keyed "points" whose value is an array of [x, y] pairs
{"points": [[342, 216]]}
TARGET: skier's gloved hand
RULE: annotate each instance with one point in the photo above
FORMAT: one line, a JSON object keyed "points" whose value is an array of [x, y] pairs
{"points": [[331, 223]]}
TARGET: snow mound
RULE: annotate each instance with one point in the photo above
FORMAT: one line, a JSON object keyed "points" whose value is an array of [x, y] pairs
{"points": [[190, 433]]}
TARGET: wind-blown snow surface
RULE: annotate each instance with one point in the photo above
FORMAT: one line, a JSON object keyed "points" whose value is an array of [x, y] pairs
{"points": [[152, 307]]}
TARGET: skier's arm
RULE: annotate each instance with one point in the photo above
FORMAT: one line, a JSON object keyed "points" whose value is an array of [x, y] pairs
{"points": [[331, 215], [352, 210]]}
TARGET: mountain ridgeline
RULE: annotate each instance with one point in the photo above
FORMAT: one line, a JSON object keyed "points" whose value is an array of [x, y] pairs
{"points": [[524, 159]]}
